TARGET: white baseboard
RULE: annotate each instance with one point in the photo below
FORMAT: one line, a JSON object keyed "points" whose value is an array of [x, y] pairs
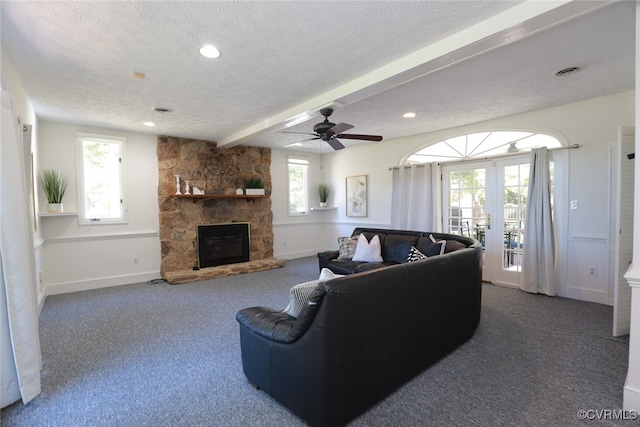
{"points": [[102, 282], [631, 399], [591, 295], [299, 254]]}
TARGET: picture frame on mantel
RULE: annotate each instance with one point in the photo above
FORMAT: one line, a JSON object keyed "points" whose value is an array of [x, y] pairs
{"points": [[356, 192]]}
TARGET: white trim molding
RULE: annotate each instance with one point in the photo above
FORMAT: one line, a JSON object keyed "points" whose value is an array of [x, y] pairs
{"points": [[88, 237], [102, 282], [631, 399]]}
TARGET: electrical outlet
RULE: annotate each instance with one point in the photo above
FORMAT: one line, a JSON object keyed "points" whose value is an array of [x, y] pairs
{"points": [[136, 260], [574, 205], [593, 271]]}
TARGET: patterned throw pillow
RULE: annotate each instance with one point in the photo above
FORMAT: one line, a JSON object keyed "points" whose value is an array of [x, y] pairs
{"points": [[299, 296], [415, 255], [347, 247]]}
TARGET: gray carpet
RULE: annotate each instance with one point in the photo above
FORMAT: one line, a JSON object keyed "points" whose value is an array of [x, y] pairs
{"points": [[163, 355]]}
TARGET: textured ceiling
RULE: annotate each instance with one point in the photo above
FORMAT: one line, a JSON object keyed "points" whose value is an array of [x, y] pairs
{"points": [[76, 61]]}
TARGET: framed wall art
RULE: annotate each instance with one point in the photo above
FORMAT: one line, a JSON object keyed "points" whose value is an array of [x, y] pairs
{"points": [[357, 188]]}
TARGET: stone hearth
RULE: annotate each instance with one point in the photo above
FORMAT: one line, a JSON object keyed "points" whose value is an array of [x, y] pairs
{"points": [[217, 172], [185, 276]]}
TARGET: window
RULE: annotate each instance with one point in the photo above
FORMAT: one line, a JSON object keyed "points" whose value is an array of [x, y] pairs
{"points": [[100, 179], [482, 145], [298, 174]]}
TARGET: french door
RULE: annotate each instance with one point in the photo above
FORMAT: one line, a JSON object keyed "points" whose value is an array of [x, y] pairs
{"points": [[487, 200]]}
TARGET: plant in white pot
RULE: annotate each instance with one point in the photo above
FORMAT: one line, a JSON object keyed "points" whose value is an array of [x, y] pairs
{"points": [[54, 185], [254, 187], [323, 192]]}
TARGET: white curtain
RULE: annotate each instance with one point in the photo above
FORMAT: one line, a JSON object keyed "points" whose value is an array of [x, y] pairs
{"points": [[21, 363], [538, 262], [413, 204]]}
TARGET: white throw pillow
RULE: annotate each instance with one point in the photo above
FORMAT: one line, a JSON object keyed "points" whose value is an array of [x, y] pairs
{"points": [[326, 274], [368, 251]]}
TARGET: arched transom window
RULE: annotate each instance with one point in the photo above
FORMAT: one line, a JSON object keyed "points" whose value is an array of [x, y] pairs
{"points": [[481, 145]]}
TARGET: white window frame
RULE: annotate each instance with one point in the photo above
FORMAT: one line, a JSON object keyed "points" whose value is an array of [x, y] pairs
{"points": [[83, 219], [298, 161]]}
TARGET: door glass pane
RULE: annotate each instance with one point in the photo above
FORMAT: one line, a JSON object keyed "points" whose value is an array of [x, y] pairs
{"points": [[516, 181], [466, 201]]}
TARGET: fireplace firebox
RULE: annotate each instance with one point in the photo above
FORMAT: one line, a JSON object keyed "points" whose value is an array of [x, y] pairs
{"points": [[222, 244]]}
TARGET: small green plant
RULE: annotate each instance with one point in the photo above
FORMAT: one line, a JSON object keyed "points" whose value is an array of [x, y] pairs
{"points": [[54, 184], [323, 192], [254, 182]]}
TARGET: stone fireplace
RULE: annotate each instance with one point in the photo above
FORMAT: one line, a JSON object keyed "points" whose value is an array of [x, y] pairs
{"points": [[219, 172]]}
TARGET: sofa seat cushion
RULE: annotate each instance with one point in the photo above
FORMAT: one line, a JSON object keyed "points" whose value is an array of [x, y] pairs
{"points": [[343, 266], [368, 266]]}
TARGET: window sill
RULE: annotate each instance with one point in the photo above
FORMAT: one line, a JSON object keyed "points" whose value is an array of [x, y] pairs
{"points": [[328, 208], [45, 214]]}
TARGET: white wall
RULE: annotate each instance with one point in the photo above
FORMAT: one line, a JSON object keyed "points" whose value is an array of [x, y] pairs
{"points": [[78, 257], [584, 242], [300, 235]]}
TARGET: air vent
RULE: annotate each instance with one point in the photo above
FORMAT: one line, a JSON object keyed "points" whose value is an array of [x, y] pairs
{"points": [[162, 110]]}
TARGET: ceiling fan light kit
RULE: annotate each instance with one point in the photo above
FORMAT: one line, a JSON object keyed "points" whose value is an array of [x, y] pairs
{"points": [[330, 132]]}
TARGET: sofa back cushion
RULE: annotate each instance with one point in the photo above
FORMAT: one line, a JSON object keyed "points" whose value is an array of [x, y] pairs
{"points": [[396, 247]]}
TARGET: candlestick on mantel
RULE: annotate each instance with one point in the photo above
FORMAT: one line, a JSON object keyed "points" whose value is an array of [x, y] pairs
{"points": [[178, 184]]}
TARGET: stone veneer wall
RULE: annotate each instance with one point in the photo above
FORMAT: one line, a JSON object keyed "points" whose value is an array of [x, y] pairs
{"points": [[216, 171]]}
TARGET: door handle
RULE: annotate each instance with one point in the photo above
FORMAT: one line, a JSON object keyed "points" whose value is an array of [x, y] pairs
{"points": [[488, 221]]}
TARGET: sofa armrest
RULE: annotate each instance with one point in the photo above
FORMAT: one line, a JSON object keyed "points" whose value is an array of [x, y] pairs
{"points": [[325, 257], [272, 324], [278, 326], [328, 255]]}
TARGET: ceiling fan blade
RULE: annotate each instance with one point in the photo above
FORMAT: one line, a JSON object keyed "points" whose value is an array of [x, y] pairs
{"points": [[341, 127], [335, 144], [357, 136]]}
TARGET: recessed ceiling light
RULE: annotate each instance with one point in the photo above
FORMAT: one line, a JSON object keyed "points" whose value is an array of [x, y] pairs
{"points": [[150, 124], [567, 71], [409, 115], [209, 51], [138, 75]]}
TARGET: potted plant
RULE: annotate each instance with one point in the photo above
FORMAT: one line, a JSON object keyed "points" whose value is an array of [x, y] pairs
{"points": [[254, 187], [54, 184], [323, 192]]}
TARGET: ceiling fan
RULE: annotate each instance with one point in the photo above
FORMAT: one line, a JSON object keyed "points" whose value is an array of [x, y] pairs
{"points": [[330, 132]]}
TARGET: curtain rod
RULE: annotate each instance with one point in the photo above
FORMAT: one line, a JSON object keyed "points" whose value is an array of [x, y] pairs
{"points": [[475, 159]]}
